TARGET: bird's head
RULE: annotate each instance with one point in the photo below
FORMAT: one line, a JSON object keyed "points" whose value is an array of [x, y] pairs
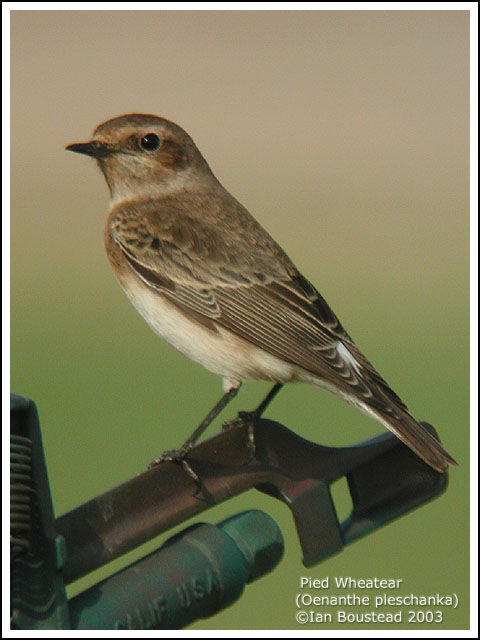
{"points": [[143, 156]]}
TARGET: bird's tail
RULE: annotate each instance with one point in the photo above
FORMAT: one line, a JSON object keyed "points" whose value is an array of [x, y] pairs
{"points": [[416, 436]]}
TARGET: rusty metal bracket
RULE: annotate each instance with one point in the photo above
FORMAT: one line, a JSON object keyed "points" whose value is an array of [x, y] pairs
{"points": [[385, 479]]}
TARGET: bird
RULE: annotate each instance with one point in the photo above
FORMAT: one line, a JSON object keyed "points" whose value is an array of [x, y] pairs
{"points": [[212, 282]]}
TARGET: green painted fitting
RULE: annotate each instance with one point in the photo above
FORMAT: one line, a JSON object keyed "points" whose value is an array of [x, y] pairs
{"points": [[193, 575]]}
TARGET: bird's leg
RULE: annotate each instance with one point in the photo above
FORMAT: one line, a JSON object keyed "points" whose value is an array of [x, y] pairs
{"points": [[178, 455], [249, 417], [267, 400]]}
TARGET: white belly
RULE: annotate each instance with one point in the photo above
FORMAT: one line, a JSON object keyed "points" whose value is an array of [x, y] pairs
{"points": [[220, 352]]}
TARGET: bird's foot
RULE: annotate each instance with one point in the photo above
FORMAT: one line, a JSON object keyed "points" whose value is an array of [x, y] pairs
{"points": [[231, 424], [173, 455], [247, 418], [178, 456], [243, 417]]}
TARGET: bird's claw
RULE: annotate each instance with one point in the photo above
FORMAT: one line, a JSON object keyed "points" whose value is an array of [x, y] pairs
{"points": [[231, 424], [178, 456], [173, 455]]}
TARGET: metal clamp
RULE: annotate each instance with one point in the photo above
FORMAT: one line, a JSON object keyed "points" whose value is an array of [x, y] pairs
{"points": [[386, 480]]}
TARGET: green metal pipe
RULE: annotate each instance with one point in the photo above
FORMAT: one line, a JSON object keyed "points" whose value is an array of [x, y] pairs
{"points": [[193, 575]]}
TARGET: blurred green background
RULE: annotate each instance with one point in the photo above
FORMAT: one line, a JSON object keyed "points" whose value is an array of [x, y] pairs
{"points": [[346, 134]]}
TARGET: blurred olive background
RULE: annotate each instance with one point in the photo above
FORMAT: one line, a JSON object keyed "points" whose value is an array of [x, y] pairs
{"points": [[346, 134]]}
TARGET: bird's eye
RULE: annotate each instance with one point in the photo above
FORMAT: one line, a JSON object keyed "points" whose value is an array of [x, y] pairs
{"points": [[150, 142]]}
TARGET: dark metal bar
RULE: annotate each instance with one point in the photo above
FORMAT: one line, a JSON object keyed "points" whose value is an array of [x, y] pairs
{"points": [[286, 466]]}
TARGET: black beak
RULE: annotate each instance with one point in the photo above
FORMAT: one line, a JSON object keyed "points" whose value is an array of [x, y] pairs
{"points": [[94, 149]]}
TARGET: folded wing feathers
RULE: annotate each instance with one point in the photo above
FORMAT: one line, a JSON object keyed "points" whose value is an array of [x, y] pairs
{"points": [[278, 318]]}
